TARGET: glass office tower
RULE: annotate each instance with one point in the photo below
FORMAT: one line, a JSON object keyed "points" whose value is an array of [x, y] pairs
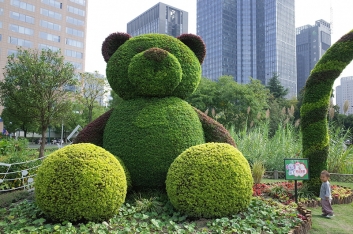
{"points": [[249, 38], [161, 18]]}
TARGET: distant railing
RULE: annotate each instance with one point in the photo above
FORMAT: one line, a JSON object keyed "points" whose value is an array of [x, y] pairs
{"points": [[348, 178], [25, 177]]}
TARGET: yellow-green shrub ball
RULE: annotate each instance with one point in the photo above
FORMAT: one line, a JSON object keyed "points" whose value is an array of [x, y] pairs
{"points": [[210, 180], [80, 182]]}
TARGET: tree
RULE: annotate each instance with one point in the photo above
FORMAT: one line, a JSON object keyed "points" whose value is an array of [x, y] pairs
{"points": [[92, 91], [36, 82], [276, 88]]}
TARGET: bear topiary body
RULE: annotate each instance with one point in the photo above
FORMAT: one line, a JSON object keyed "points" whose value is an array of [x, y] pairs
{"points": [[148, 134], [210, 180], [80, 182], [152, 73]]}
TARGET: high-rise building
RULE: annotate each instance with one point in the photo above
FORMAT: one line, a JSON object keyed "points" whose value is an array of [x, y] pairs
{"points": [[312, 42], [161, 18], [249, 38], [344, 93], [44, 24]]}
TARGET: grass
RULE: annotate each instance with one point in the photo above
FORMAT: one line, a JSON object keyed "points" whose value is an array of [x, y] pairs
{"points": [[340, 224]]}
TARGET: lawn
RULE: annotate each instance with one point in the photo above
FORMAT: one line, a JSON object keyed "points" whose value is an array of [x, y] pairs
{"points": [[340, 224]]}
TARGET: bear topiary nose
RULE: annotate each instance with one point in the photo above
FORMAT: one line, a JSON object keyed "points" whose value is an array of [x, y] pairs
{"points": [[155, 72]]}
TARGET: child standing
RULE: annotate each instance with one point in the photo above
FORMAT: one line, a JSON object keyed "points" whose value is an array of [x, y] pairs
{"points": [[325, 195]]}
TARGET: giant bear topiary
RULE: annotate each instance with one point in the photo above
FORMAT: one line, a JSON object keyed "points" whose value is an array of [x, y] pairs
{"points": [[153, 73], [80, 182], [316, 101], [210, 180]]}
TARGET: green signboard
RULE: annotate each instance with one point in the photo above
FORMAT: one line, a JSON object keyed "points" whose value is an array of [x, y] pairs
{"points": [[296, 168]]}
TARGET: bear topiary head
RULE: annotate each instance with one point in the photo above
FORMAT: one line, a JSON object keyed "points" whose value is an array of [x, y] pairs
{"points": [[153, 65]]}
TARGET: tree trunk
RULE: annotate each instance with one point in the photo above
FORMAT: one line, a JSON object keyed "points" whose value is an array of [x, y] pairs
{"points": [[42, 145], [90, 110]]}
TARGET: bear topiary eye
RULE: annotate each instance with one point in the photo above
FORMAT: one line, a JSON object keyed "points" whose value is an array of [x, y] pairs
{"points": [[112, 43]]}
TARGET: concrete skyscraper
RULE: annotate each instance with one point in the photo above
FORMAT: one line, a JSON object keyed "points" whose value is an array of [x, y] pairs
{"points": [[44, 24], [249, 38], [312, 42], [344, 92], [160, 18]]}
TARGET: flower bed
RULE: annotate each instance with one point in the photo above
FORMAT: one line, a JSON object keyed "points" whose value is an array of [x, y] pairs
{"points": [[284, 192]]}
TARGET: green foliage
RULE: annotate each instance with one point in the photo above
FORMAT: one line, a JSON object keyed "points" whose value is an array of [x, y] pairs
{"points": [[34, 83], [258, 171], [260, 217], [276, 88], [285, 143], [228, 102], [214, 131], [155, 73], [80, 182], [315, 106], [8, 198], [210, 180], [118, 64], [148, 134], [91, 92]]}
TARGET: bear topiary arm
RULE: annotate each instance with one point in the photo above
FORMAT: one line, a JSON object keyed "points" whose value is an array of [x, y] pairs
{"points": [[93, 132], [214, 131]]}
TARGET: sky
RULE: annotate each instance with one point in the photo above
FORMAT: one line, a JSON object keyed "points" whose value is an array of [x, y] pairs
{"points": [[108, 16]]}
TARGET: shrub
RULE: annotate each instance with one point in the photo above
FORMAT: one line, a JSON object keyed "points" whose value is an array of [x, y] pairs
{"points": [[80, 182], [148, 134], [258, 171], [210, 180]]}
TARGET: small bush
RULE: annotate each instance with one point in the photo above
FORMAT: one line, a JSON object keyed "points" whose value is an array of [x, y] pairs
{"points": [[7, 199], [210, 180], [258, 171], [80, 182]]}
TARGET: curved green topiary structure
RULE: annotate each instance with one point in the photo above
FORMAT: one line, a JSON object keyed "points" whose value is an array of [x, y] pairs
{"points": [[210, 180], [315, 106], [149, 133], [80, 182]]}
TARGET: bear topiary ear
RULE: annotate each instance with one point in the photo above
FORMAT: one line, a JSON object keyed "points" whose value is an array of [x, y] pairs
{"points": [[195, 43], [112, 43]]}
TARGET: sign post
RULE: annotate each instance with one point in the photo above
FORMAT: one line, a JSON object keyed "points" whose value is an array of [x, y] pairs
{"points": [[296, 169]]}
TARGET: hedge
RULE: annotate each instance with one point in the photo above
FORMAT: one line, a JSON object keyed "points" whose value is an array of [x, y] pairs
{"points": [[315, 106], [210, 180], [80, 182], [148, 134]]}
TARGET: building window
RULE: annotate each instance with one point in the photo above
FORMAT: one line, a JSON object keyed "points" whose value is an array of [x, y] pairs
{"points": [[76, 11], [75, 64], [74, 32], [47, 24], [21, 17], [74, 54], [49, 37], [1, 11], [74, 21], [0, 24], [74, 43], [0, 37], [80, 2], [20, 42], [11, 52], [23, 5], [48, 47], [20, 29], [52, 3], [51, 14]]}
